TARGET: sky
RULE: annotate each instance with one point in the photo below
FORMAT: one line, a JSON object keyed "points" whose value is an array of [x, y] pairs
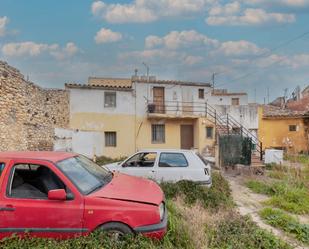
{"points": [[256, 46]]}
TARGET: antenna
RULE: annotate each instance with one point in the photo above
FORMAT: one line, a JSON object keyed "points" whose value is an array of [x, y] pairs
{"points": [[147, 67]]}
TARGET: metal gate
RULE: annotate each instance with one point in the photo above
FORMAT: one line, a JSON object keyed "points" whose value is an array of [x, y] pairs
{"points": [[235, 149]]}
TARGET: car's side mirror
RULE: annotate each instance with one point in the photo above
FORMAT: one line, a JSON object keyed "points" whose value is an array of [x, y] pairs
{"points": [[57, 195]]}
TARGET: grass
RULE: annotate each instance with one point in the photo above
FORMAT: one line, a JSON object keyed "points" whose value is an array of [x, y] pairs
{"points": [[287, 223], [298, 158], [229, 230], [293, 198], [218, 196], [237, 232]]}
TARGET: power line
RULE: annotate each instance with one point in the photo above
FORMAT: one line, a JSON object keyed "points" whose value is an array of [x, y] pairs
{"points": [[267, 53]]}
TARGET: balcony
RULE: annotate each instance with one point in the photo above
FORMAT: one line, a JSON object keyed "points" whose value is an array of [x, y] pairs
{"points": [[179, 109]]}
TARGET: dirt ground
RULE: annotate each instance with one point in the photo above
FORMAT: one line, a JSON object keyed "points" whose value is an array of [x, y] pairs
{"points": [[249, 203]]}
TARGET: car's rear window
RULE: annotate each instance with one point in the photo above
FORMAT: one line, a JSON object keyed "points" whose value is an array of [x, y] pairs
{"points": [[172, 160], [1, 167]]}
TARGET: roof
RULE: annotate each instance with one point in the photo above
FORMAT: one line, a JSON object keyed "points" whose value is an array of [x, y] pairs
{"points": [[110, 82], [228, 94], [87, 86], [277, 112], [40, 155]]}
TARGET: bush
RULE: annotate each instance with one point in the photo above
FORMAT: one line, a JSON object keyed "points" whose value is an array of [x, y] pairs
{"points": [[260, 187], [237, 232], [102, 160], [219, 195], [287, 223]]}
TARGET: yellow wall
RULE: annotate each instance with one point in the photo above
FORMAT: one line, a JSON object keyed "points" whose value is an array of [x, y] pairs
{"points": [[275, 132], [124, 125], [134, 133]]}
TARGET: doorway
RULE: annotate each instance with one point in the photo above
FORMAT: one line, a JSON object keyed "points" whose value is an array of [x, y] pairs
{"points": [[158, 99], [186, 137]]}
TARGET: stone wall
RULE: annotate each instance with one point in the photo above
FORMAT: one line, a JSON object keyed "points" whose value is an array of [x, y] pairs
{"points": [[28, 113]]}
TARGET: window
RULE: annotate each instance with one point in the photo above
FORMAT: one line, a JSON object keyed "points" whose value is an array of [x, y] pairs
{"points": [[235, 101], [1, 168], [172, 160], [109, 99], [158, 133], [200, 93], [292, 128], [209, 132], [145, 159], [30, 181], [110, 139]]}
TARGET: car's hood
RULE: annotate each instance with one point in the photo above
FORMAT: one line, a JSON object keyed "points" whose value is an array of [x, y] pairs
{"points": [[131, 188]]}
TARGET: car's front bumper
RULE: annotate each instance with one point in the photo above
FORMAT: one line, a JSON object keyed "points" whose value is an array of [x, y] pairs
{"points": [[156, 230]]}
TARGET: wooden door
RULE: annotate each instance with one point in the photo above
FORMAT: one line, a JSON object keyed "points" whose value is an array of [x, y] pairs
{"points": [[186, 137], [187, 101], [158, 99]]}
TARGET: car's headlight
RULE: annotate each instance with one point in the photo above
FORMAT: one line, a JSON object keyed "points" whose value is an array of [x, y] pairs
{"points": [[161, 210]]}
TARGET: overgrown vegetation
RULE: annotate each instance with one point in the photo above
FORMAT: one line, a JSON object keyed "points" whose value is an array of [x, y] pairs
{"points": [[293, 198], [287, 223], [298, 158], [230, 230], [219, 195], [102, 160], [237, 232]]}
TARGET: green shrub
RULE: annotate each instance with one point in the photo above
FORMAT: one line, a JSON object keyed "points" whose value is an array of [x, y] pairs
{"points": [[219, 195], [287, 223], [238, 232], [102, 160]]}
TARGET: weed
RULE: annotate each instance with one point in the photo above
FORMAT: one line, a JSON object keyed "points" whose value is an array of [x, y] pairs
{"points": [[219, 195], [293, 198], [237, 232], [105, 160], [260, 187], [287, 223]]}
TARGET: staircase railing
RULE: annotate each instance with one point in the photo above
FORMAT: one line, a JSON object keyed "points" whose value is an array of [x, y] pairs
{"points": [[223, 122]]}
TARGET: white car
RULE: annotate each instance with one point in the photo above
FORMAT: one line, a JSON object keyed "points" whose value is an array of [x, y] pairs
{"points": [[166, 165]]}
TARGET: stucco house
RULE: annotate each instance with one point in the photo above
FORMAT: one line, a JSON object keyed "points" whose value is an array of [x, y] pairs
{"points": [[116, 117]]}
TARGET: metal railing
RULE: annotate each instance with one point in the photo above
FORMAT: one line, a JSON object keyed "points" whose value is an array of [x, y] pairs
{"points": [[224, 123]]}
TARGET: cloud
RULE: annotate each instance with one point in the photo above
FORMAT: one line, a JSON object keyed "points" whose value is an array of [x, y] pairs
{"points": [[180, 39], [3, 22], [63, 53], [286, 3], [107, 36], [228, 9], [192, 60], [33, 49], [143, 11], [250, 16], [239, 48]]}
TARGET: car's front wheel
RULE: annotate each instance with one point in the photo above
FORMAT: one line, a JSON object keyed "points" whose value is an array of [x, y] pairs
{"points": [[116, 230]]}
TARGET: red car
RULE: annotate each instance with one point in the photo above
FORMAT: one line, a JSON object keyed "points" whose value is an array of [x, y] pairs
{"points": [[64, 195]]}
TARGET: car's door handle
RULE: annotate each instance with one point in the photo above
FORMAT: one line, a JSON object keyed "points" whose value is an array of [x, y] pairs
{"points": [[7, 208]]}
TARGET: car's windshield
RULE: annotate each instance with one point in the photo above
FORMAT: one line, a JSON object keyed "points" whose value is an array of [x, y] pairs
{"points": [[86, 175]]}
